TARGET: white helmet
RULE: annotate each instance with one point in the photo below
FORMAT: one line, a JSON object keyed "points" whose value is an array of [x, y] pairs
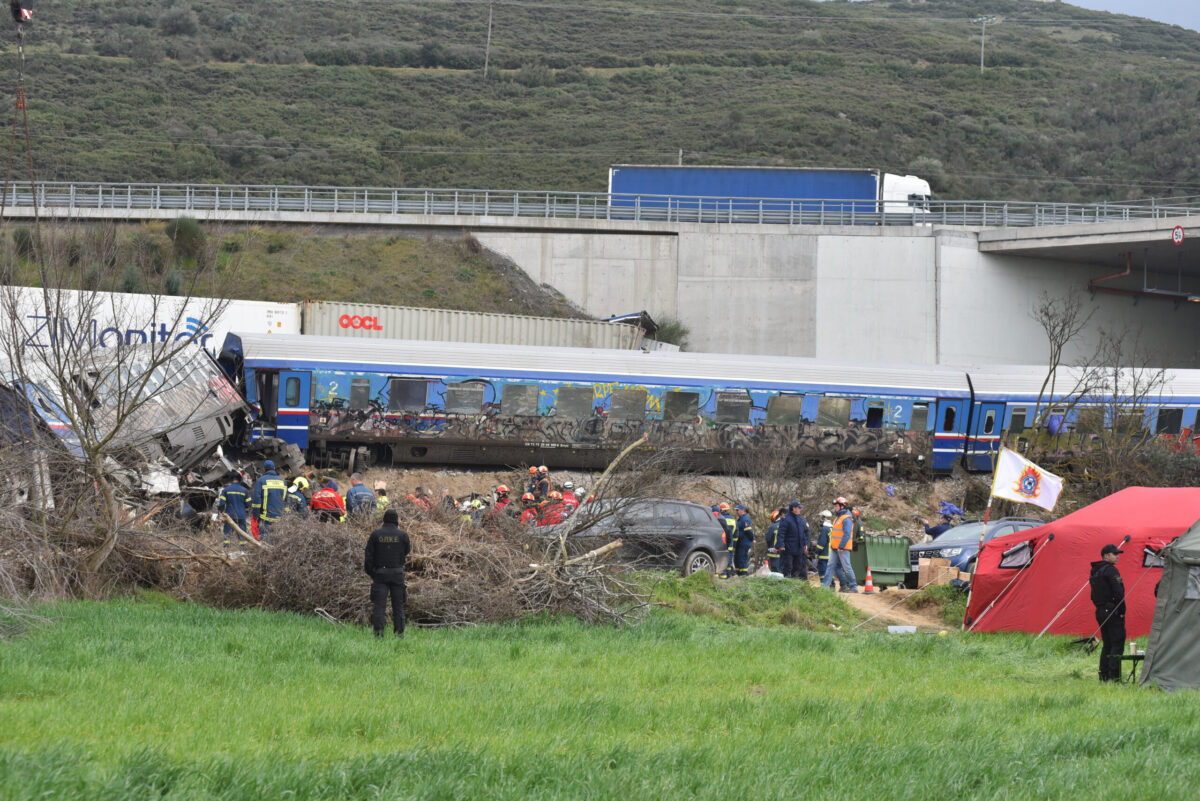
{"points": [[568, 485], [826, 513], [580, 492]]}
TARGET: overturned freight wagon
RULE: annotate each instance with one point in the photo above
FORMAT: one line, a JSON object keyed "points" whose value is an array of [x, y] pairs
{"points": [[404, 401]]}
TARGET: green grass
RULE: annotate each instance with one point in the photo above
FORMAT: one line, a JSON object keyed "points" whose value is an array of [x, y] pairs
{"points": [[754, 601], [161, 700], [951, 603]]}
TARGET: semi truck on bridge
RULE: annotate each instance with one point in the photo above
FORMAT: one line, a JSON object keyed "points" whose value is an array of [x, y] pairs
{"points": [[857, 190]]}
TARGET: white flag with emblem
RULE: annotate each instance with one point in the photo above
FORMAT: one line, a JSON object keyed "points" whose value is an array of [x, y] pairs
{"points": [[1018, 479]]}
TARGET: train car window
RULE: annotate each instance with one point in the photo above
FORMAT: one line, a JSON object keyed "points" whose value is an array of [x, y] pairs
{"points": [[1170, 421], [627, 404], [989, 421], [407, 394], [574, 402], [520, 400], [464, 398], [949, 417], [732, 407], [1018, 420], [785, 410], [360, 393], [833, 412], [1131, 422], [920, 417], [1089, 421], [291, 392], [875, 415], [681, 406]]}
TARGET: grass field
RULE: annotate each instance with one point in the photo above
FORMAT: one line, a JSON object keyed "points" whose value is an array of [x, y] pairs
{"points": [[152, 699]]}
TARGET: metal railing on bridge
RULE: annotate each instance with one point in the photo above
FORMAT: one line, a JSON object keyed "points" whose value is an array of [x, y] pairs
{"points": [[249, 200]]}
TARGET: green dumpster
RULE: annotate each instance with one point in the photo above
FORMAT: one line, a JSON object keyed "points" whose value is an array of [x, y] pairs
{"points": [[886, 556]]}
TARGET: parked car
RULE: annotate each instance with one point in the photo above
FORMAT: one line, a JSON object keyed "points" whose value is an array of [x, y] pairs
{"points": [[656, 532], [961, 544]]}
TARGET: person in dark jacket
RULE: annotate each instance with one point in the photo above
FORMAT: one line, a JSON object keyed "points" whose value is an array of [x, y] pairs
{"points": [[744, 537], [387, 550], [296, 502], [772, 539], [941, 528], [266, 499], [232, 501], [1108, 594], [793, 543]]}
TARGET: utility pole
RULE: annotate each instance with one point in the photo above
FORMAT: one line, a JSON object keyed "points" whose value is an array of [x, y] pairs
{"points": [[487, 49], [983, 22]]}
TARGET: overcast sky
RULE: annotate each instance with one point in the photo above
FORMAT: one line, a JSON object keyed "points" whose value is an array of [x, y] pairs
{"points": [[1176, 12]]}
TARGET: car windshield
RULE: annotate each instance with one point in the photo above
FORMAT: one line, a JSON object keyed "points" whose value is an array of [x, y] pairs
{"points": [[967, 532]]}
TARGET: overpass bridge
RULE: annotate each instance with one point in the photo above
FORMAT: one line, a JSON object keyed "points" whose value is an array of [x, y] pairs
{"points": [[951, 283]]}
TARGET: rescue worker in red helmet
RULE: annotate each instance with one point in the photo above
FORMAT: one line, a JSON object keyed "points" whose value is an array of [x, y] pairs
{"points": [[502, 499], [529, 512]]}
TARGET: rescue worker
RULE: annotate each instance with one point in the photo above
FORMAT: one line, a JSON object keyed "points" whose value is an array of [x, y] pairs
{"points": [[360, 501], [382, 501], [266, 501], [296, 501], [744, 534], [533, 481], [384, 560], [502, 499], [530, 511], [327, 504], [554, 510], [841, 542], [823, 543], [543, 482], [793, 543], [232, 501], [1108, 594], [728, 524], [568, 495], [772, 540]]}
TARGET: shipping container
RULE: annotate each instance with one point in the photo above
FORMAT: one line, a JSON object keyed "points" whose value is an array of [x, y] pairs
{"points": [[108, 319], [650, 186], [328, 318]]}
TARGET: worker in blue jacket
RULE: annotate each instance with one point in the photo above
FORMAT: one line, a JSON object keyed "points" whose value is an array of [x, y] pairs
{"points": [[772, 539], [793, 543], [360, 501], [266, 502], [232, 501], [744, 537]]}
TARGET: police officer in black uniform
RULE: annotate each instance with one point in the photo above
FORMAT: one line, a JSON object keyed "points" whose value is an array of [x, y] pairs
{"points": [[1108, 594], [387, 549]]}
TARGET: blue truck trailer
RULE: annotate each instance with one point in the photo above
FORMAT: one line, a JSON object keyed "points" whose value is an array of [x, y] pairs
{"points": [[771, 189]]}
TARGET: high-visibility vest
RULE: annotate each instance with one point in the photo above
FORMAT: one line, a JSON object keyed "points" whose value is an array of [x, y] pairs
{"points": [[838, 533], [728, 523]]}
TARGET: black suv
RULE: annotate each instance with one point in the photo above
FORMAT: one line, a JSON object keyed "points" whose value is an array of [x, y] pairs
{"points": [[656, 532]]}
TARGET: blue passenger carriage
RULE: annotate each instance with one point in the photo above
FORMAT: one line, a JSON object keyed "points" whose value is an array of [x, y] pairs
{"points": [[439, 402]]}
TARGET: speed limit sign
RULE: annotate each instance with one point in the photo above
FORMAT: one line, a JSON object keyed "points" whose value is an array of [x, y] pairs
{"points": [[1177, 235]]}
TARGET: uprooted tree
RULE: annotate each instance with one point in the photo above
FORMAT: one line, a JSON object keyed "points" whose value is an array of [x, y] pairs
{"points": [[107, 398]]}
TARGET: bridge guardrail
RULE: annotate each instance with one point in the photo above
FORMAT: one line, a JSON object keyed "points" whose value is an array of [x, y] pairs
{"points": [[249, 199]]}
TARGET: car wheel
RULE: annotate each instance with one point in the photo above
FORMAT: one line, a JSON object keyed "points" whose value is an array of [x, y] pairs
{"points": [[698, 561]]}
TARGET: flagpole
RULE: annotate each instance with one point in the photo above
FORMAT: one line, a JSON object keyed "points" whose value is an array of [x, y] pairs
{"points": [[982, 534]]}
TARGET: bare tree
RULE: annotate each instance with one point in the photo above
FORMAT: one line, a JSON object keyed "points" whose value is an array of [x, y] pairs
{"points": [[1062, 318], [121, 378]]}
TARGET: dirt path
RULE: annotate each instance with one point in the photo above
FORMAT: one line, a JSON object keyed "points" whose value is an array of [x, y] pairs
{"points": [[892, 612]]}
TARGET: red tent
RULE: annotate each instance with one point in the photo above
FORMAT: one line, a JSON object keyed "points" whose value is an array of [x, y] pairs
{"points": [[1028, 598]]}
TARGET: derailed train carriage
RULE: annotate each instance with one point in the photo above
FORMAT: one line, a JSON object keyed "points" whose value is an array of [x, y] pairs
{"points": [[398, 401]]}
